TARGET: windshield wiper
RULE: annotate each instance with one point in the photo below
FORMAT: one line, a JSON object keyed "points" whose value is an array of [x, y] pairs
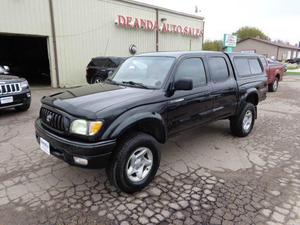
{"points": [[111, 81], [135, 84]]}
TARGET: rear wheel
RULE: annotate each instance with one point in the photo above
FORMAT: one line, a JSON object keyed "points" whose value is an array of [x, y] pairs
{"points": [[274, 86], [242, 124], [135, 163], [98, 79]]}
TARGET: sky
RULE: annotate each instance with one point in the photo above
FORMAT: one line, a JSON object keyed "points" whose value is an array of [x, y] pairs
{"points": [[279, 19]]}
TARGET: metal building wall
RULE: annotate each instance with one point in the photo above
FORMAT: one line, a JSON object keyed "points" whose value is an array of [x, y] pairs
{"points": [[28, 17], [176, 42], [86, 29], [259, 47]]}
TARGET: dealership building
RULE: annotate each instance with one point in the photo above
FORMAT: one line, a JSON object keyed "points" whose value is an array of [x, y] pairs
{"points": [[55, 39]]}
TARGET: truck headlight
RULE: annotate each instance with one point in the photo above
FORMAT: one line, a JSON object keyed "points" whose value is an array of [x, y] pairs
{"points": [[84, 127], [24, 84]]}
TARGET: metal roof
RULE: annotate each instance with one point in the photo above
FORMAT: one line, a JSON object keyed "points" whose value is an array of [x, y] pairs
{"points": [[161, 9]]}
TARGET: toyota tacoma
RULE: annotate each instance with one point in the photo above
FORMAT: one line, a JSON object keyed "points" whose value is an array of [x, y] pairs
{"points": [[118, 124]]}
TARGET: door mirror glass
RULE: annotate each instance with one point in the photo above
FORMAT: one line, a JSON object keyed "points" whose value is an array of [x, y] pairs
{"points": [[183, 84]]}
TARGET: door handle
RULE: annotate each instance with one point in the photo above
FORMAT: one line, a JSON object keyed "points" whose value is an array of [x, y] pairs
{"points": [[177, 100]]}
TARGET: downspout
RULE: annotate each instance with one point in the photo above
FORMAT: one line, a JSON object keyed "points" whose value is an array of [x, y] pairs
{"points": [[277, 53], [54, 41], [157, 32]]}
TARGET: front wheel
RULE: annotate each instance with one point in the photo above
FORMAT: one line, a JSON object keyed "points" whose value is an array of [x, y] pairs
{"points": [[242, 124], [135, 163], [274, 86]]}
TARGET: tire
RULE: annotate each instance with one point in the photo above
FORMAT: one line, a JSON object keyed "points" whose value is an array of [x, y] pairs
{"points": [[274, 86], [23, 108], [242, 124], [97, 79], [121, 164]]}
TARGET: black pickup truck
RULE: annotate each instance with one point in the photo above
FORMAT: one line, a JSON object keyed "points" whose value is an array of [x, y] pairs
{"points": [[14, 91], [118, 124]]}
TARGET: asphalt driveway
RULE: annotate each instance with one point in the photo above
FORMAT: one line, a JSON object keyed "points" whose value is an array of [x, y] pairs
{"points": [[206, 175]]}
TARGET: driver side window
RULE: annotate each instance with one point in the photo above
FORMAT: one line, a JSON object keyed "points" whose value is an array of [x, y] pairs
{"points": [[193, 69]]}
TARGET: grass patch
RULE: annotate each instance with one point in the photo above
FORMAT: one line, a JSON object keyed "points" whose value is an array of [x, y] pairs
{"points": [[292, 68], [292, 73]]}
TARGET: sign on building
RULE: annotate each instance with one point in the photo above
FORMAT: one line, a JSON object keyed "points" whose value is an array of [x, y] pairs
{"points": [[129, 22]]}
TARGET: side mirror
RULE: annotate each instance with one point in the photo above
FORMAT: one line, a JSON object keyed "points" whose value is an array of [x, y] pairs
{"points": [[183, 85]]}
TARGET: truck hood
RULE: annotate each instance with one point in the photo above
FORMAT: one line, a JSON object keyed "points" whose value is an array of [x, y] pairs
{"points": [[5, 78], [87, 101]]}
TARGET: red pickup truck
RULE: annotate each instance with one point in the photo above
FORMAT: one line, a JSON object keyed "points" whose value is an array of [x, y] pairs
{"points": [[275, 71]]}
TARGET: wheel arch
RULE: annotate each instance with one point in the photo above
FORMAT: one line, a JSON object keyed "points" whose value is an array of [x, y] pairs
{"points": [[251, 96], [150, 123]]}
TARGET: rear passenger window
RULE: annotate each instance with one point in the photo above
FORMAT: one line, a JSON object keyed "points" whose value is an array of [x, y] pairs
{"points": [[192, 68], [218, 69], [242, 66], [255, 66]]}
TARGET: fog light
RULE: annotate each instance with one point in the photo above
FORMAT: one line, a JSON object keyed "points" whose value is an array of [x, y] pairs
{"points": [[28, 95], [80, 161]]}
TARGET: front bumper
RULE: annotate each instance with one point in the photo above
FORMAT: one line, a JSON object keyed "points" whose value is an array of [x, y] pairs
{"points": [[97, 154], [19, 99]]}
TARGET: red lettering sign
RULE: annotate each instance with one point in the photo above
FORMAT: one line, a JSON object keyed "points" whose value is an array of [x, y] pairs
{"points": [[121, 20], [143, 24], [128, 22], [149, 25], [138, 23]]}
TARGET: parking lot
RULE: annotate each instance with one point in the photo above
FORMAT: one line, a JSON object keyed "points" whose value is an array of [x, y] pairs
{"points": [[206, 176]]}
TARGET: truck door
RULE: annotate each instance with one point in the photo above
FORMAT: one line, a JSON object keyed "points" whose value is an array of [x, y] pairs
{"points": [[190, 108], [224, 87]]}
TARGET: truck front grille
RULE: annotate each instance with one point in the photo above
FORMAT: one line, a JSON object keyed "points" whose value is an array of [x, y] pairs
{"points": [[10, 88], [52, 119]]}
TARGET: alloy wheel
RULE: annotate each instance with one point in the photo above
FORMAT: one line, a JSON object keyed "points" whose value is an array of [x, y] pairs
{"points": [[139, 164], [247, 121]]}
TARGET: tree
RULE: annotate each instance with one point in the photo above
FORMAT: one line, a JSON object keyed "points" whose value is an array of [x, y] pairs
{"points": [[216, 45], [250, 32]]}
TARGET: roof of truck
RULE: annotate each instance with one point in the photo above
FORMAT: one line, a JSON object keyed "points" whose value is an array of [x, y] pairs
{"points": [[242, 54], [178, 54]]}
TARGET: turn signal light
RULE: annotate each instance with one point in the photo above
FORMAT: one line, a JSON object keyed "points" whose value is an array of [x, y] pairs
{"points": [[95, 127]]}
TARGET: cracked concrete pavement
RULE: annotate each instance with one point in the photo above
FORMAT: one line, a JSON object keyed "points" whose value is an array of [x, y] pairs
{"points": [[206, 175]]}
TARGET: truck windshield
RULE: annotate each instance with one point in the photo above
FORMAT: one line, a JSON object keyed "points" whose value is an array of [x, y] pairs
{"points": [[144, 71]]}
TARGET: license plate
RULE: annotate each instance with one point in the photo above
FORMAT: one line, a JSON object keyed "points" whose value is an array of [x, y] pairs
{"points": [[45, 146], [6, 100]]}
